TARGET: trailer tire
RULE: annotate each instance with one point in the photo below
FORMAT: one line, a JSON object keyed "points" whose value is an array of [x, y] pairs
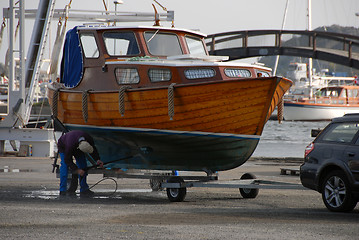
{"points": [[248, 192], [155, 184], [176, 194]]}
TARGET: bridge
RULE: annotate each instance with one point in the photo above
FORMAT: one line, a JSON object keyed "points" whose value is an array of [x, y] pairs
{"points": [[344, 48]]}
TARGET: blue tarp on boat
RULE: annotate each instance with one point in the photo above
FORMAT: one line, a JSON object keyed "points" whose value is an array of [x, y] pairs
{"points": [[72, 62]]}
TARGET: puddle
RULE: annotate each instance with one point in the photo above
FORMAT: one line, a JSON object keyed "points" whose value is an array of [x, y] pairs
{"points": [[6, 169], [99, 194], [43, 194]]}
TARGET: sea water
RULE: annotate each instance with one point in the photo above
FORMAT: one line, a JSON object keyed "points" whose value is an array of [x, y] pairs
{"points": [[287, 139]]}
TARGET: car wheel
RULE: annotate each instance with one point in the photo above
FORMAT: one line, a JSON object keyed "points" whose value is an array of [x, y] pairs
{"points": [[336, 193]]}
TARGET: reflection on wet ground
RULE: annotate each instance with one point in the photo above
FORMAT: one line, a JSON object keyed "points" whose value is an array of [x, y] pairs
{"points": [[99, 194]]}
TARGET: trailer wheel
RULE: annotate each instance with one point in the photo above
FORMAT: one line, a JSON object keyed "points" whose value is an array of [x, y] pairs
{"points": [[176, 194], [155, 184], [248, 192], [72, 183]]}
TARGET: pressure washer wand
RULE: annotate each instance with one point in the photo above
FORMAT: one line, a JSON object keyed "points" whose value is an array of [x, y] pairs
{"points": [[57, 126], [97, 165], [55, 165]]}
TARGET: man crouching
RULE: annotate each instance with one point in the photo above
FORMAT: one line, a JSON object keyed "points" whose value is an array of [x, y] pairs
{"points": [[76, 143]]}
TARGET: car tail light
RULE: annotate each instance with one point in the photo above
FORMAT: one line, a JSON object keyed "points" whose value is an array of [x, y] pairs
{"points": [[308, 149]]}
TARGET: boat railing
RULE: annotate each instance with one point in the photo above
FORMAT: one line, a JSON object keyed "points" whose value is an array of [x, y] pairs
{"points": [[98, 16], [327, 100]]}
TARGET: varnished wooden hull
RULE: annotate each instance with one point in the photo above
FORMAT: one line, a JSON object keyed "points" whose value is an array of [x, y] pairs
{"points": [[216, 125]]}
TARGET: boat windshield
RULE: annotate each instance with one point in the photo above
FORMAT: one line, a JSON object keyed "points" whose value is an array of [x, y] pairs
{"points": [[89, 45], [195, 46], [353, 93], [163, 44], [121, 43]]}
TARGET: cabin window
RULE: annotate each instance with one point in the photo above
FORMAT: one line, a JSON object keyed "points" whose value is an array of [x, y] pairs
{"points": [[329, 92], [196, 73], [352, 93], [127, 75], [159, 74], [195, 46], [230, 72], [262, 73], [163, 44], [121, 43], [89, 45]]}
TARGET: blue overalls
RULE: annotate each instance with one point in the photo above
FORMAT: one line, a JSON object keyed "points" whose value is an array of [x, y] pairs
{"points": [[81, 163]]}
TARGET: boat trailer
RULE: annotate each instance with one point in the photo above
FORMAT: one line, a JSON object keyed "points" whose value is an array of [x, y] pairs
{"points": [[176, 186]]}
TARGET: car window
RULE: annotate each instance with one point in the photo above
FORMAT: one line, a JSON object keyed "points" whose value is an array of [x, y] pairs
{"points": [[341, 132]]}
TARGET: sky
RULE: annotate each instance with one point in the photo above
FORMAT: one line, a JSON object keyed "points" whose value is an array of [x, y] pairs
{"points": [[215, 16]]}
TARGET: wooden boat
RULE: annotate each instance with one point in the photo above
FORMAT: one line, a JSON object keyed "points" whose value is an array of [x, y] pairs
{"points": [[327, 103], [152, 95]]}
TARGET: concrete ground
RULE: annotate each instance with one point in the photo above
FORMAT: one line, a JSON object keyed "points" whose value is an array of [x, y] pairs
{"points": [[30, 208]]}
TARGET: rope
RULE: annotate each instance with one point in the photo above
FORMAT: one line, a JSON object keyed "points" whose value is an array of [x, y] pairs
{"points": [[280, 107], [55, 98], [171, 104], [121, 99], [85, 105]]}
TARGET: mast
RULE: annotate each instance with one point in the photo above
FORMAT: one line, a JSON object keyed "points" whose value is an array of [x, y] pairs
{"points": [[310, 60], [283, 24]]}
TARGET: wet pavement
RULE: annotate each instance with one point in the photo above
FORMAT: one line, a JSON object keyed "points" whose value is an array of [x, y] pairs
{"points": [[31, 208]]}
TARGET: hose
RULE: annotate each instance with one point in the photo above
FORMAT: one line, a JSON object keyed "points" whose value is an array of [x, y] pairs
{"points": [[107, 178]]}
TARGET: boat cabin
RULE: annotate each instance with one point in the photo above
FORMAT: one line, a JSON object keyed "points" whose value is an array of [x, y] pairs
{"points": [[337, 95], [106, 58], [349, 91]]}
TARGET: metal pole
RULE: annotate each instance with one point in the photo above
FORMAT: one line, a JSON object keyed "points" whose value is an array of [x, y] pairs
{"points": [[11, 52], [115, 2], [22, 54], [310, 60]]}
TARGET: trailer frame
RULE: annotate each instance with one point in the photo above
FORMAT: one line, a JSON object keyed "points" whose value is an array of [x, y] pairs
{"points": [[176, 186]]}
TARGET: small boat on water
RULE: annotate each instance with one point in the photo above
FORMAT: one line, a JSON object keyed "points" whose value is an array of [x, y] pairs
{"points": [[153, 96], [327, 103]]}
